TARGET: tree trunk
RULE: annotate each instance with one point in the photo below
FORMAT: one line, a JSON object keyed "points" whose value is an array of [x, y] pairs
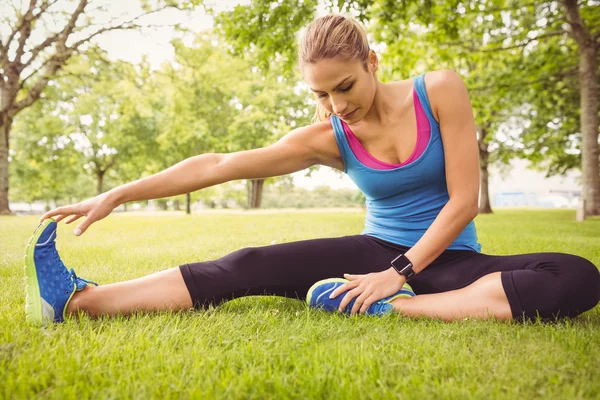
{"points": [[484, 154], [588, 87], [176, 205], [255, 187], [188, 204], [100, 176], [5, 124], [589, 129]]}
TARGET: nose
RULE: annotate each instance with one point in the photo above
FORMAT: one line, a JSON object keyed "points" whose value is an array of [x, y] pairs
{"points": [[338, 105]]}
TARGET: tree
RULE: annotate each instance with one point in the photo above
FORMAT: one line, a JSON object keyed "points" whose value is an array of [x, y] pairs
{"points": [[95, 123], [43, 165], [195, 103], [405, 52], [584, 24], [268, 109], [32, 54], [469, 31]]}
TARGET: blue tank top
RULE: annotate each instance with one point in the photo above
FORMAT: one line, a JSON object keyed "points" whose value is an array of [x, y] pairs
{"points": [[403, 202]]}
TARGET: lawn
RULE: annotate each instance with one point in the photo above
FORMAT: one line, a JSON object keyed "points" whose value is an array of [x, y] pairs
{"points": [[272, 348]]}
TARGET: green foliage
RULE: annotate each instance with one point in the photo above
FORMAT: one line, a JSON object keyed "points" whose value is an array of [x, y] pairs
{"points": [[492, 44], [267, 29]]}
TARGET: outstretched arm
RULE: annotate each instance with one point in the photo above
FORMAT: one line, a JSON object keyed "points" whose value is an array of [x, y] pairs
{"points": [[297, 150]]}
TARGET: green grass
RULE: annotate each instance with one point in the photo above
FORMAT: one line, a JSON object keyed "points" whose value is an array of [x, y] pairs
{"points": [[271, 348]]}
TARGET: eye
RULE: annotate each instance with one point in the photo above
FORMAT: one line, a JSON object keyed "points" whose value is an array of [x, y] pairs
{"points": [[321, 95], [347, 88]]}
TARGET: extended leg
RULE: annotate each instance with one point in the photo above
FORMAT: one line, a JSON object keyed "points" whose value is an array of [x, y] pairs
{"points": [[164, 290], [287, 269]]}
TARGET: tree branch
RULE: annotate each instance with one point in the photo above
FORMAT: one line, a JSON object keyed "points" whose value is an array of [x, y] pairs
{"points": [[22, 84], [20, 23], [545, 35], [520, 84], [25, 31], [489, 10], [63, 52]]}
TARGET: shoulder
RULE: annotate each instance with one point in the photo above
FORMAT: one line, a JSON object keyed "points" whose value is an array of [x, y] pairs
{"points": [[319, 140], [443, 87]]}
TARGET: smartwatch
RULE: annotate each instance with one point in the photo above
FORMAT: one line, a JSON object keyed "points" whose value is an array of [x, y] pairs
{"points": [[403, 266]]}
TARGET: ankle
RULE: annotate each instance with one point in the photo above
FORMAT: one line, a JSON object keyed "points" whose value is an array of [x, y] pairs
{"points": [[76, 304], [400, 303]]}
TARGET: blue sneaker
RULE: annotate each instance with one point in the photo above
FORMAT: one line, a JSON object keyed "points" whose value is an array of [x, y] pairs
{"points": [[50, 285], [318, 297]]}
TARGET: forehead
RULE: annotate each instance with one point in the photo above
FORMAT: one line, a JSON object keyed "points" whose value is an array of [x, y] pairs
{"points": [[326, 74]]}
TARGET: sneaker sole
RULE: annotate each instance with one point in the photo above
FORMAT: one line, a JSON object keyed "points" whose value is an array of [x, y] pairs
{"points": [[313, 287], [33, 299]]}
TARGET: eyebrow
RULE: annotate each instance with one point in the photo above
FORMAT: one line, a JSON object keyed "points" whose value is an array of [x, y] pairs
{"points": [[338, 85]]}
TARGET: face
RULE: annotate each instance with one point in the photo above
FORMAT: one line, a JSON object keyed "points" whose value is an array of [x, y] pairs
{"points": [[343, 87]]}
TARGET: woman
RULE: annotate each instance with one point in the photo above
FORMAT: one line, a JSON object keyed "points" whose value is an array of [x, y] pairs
{"points": [[411, 148]]}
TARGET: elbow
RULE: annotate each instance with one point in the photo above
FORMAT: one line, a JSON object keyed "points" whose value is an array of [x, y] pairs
{"points": [[474, 211], [468, 209], [472, 207]]}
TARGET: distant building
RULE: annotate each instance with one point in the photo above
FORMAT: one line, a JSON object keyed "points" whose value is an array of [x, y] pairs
{"points": [[523, 187]]}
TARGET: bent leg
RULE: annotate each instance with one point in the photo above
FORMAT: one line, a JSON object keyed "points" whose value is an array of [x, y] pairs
{"points": [[527, 286], [485, 298]]}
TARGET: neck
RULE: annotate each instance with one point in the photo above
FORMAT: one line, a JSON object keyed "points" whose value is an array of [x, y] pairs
{"points": [[382, 107]]}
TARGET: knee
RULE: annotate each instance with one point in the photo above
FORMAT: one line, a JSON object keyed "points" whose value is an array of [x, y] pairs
{"points": [[247, 256], [581, 282]]}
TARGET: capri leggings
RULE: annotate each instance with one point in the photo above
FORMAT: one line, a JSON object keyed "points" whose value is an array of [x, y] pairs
{"points": [[545, 285]]}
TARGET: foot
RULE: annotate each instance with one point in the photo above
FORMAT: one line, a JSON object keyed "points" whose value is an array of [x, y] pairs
{"points": [[318, 297], [50, 286]]}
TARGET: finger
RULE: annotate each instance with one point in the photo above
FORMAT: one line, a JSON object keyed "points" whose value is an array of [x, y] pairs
{"points": [[61, 217], [57, 211], [349, 296], [341, 289], [73, 218], [359, 301], [365, 306], [352, 277], [80, 230]]}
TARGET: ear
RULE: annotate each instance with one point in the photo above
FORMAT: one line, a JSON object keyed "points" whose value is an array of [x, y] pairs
{"points": [[373, 61]]}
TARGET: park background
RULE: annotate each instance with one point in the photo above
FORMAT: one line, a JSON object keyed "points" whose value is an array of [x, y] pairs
{"points": [[155, 82], [98, 93]]}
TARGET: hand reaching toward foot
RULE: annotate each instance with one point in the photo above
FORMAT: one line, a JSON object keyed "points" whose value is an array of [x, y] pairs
{"points": [[93, 209]]}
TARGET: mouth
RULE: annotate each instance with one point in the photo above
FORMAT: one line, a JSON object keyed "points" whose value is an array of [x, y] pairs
{"points": [[348, 116]]}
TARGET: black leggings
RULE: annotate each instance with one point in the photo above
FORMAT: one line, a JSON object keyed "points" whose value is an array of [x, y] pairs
{"points": [[548, 285]]}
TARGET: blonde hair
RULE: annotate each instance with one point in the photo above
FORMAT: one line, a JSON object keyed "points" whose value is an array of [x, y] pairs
{"points": [[329, 37]]}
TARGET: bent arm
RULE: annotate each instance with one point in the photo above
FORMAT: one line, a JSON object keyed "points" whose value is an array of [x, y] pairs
{"points": [[459, 139], [292, 153]]}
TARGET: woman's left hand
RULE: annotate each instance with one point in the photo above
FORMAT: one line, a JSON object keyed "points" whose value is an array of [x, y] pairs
{"points": [[369, 288]]}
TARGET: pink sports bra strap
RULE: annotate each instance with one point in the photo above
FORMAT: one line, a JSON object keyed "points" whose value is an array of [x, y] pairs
{"points": [[423, 135]]}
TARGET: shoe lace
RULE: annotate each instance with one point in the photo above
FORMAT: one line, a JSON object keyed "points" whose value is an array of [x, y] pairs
{"points": [[79, 282], [61, 265], [70, 275]]}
